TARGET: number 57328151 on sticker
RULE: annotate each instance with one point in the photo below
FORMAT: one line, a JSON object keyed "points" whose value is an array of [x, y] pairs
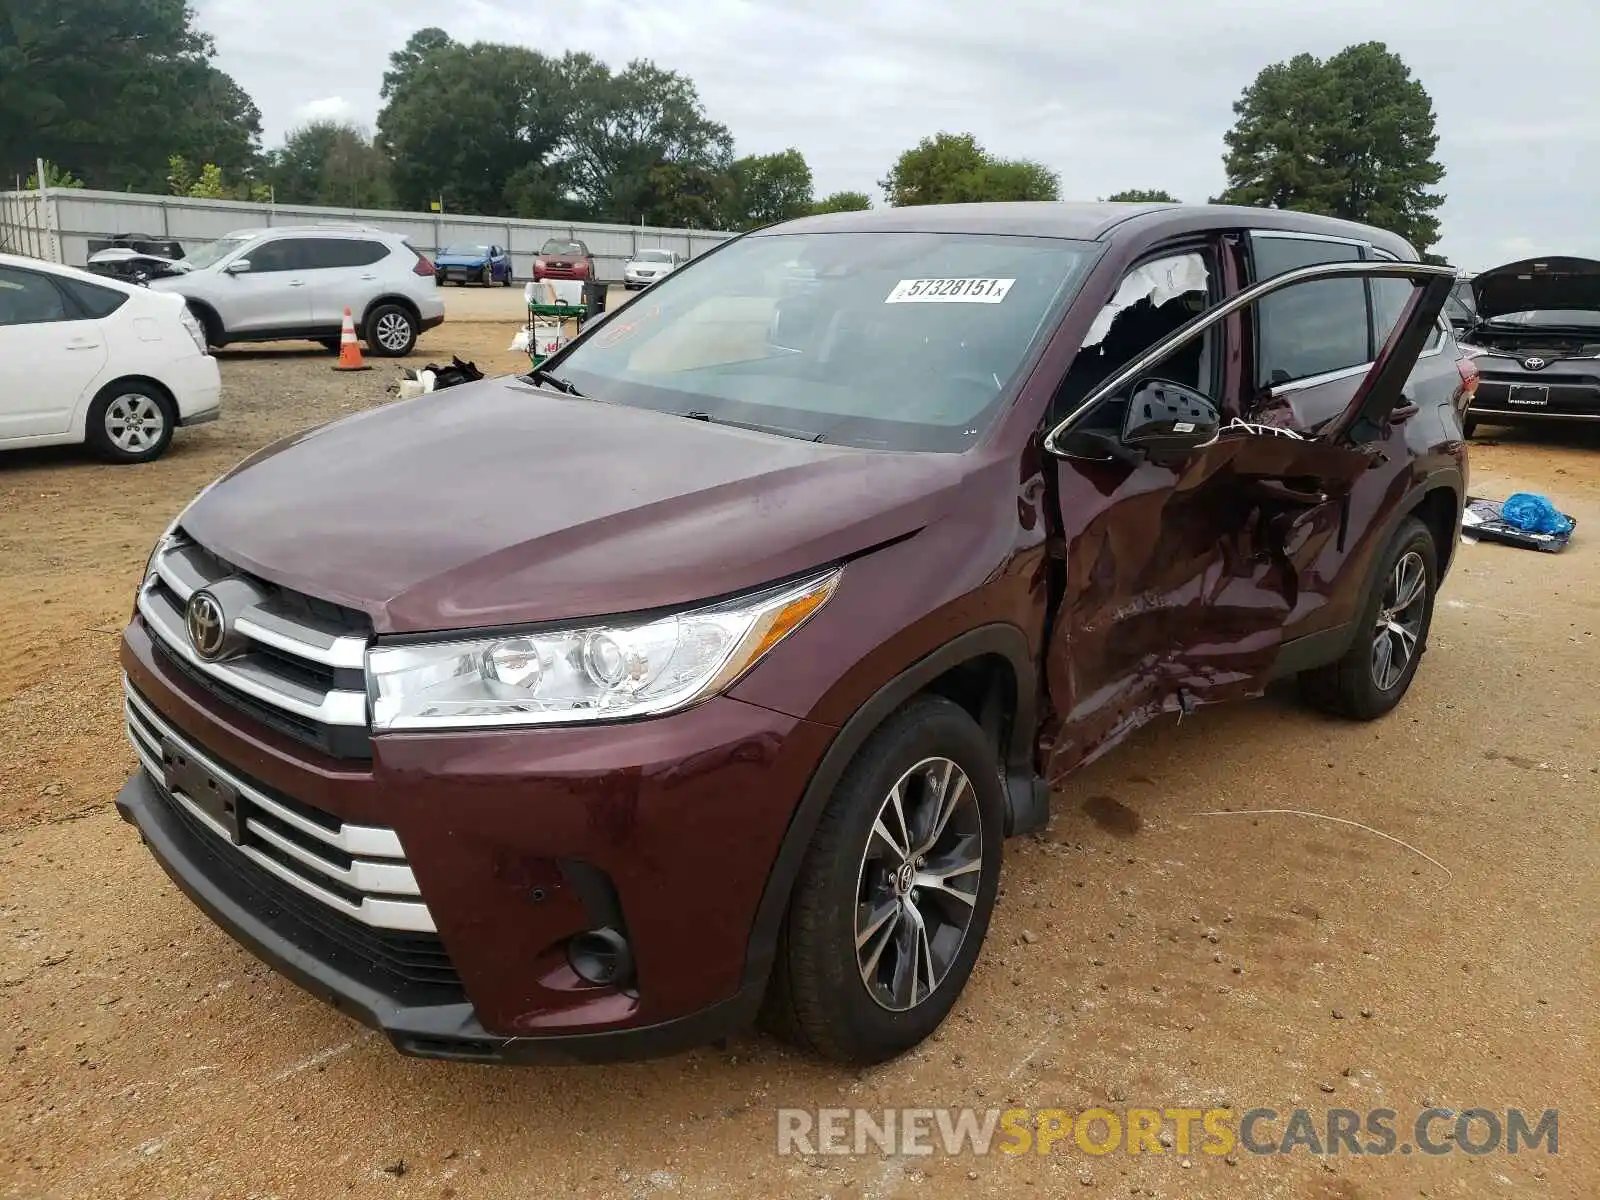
{"points": [[949, 291]]}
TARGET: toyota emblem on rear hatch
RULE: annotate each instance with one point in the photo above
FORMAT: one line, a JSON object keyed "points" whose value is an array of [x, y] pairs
{"points": [[208, 628], [1534, 364]]}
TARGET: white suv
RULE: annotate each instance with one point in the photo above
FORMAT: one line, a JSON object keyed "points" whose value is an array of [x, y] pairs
{"points": [[294, 282]]}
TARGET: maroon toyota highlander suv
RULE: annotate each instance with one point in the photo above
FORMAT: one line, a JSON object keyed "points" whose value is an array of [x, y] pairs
{"points": [[703, 672]]}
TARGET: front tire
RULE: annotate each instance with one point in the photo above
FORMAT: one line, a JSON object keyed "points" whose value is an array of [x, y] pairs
{"points": [[131, 422], [896, 891], [391, 331], [1392, 633]]}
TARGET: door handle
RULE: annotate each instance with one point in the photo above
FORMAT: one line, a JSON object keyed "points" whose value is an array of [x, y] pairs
{"points": [[368, 278], [80, 344], [297, 283], [1276, 489], [1404, 410]]}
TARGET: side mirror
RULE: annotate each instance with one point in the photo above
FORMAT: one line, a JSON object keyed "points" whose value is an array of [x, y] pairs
{"points": [[1167, 418], [239, 266]]}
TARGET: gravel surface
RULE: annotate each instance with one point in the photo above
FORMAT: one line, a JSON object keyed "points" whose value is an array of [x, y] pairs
{"points": [[1141, 954]]}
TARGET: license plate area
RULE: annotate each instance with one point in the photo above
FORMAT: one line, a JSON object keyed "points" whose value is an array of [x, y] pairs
{"points": [[1528, 396], [217, 798]]}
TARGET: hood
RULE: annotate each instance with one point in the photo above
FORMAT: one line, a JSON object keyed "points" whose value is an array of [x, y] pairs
{"points": [[1537, 283], [461, 260], [499, 503]]}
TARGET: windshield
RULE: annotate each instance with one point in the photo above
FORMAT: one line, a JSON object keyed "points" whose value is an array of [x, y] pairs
{"points": [[901, 341], [468, 251], [555, 247], [660, 256], [1553, 318], [212, 252]]}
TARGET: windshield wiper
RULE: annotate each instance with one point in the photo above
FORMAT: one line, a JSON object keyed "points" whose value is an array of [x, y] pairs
{"points": [[540, 375]]}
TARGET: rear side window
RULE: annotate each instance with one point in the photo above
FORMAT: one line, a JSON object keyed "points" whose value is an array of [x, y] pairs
{"points": [[1389, 298], [91, 299], [1315, 328], [323, 253], [28, 298]]}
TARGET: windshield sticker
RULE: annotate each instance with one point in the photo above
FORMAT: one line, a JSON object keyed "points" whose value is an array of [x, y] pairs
{"points": [[949, 291]]}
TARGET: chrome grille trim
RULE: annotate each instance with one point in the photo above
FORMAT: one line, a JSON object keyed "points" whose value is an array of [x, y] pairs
{"points": [[250, 676], [296, 635], [382, 881]]}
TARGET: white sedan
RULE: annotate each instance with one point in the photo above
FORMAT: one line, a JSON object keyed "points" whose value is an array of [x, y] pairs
{"points": [[647, 266], [84, 358]]}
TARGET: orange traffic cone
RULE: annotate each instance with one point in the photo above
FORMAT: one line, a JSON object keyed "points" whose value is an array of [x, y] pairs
{"points": [[349, 348]]}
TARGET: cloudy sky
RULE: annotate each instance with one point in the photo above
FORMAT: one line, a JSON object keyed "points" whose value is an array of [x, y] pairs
{"points": [[1109, 93]]}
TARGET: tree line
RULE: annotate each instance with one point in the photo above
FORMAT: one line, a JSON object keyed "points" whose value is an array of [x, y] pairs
{"points": [[123, 94]]}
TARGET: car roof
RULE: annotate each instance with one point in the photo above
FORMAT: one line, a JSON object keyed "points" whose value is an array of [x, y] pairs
{"points": [[50, 268], [1083, 221], [331, 230]]}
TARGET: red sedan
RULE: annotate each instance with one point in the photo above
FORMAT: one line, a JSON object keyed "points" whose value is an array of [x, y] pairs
{"points": [[563, 259]]}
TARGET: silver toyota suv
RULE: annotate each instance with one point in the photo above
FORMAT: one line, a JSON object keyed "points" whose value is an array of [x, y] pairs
{"points": [[294, 282]]}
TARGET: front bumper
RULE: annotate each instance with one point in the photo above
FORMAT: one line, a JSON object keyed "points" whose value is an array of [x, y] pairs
{"points": [[561, 273], [680, 819], [458, 273], [1566, 390], [258, 920]]}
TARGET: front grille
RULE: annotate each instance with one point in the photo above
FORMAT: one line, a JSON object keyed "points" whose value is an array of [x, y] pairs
{"points": [[412, 968], [355, 873], [296, 663]]}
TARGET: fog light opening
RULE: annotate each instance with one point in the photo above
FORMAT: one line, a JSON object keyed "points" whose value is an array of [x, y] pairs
{"points": [[601, 956]]}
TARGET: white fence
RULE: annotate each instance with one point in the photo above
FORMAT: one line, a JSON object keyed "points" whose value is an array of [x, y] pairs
{"points": [[59, 224]]}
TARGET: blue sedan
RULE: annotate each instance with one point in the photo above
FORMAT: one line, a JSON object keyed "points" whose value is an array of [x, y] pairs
{"points": [[473, 264]]}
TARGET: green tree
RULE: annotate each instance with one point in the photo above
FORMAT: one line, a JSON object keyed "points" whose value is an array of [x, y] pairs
{"points": [[210, 182], [768, 188], [464, 121], [1141, 196], [330, 163], [680, 194], [843, 202], [54, 177], [624, 126], [951, 168], [1352, 136], [110, 88]]}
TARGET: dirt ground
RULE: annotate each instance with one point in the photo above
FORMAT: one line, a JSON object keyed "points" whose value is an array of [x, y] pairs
{"points": [[1141, 955]]}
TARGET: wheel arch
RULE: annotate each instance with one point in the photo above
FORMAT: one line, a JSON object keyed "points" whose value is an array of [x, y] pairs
{"points": [[399, 299], [210, 320], [1437, 501], [989, 671], [81, 423]]}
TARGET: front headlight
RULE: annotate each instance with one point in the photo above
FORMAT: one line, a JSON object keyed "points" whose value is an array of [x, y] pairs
{"points": [[595, 672]]}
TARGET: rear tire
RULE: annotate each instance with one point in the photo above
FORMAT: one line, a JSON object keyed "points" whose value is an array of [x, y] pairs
{"points": [[1371, 678], [131, 422], [391, 331], [878, 942]]}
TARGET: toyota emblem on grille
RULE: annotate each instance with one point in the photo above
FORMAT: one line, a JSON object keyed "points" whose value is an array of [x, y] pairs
{"points": [[1534, 364], [208, 627]]}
